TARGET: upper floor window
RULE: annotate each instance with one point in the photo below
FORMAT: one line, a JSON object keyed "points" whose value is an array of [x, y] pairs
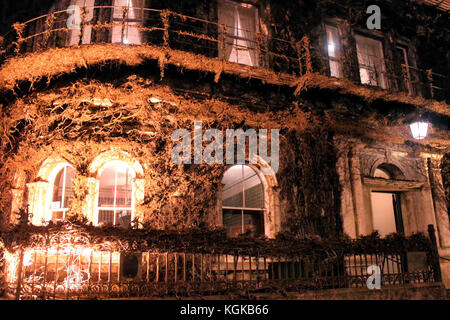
{"points": [[129, 33], [403, 54], [372, 68], [62, 193], [242, 201], [241, 21], [115, 194], [334, 51], [124, 24]]}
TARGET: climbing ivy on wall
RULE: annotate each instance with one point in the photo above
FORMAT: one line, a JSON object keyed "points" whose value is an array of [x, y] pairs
{"points": [[312, 182]]}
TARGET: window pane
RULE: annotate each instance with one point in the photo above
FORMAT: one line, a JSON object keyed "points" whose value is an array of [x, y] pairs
{"points": [[242, 180], [123, 217], [106, 216], [107, 187], [254, 221], [254, 192], [333, 46], [62, 187], [115, 194], [232, 221], [332, 38], [242, 25], [123, 197], [232, 191], [242, 190], [239, 221], [58, 189], [371, 61], [68, 193]]}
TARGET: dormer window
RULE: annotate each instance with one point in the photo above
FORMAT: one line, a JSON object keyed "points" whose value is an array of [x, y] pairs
{"points": [[241, 22], [372, 68]]}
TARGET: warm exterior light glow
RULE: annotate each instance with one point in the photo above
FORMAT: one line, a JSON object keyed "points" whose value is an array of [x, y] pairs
{"points": [[419, 130], [125, 41], [76, 273]]}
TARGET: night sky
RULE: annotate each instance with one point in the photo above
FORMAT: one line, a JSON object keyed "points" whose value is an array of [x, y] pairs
{"points": [[19, 11]]}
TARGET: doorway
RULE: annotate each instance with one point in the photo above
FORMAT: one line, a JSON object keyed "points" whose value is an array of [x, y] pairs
{"points": [[386, 212]]}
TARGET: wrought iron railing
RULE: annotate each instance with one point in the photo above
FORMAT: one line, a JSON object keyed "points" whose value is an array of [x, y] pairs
{"points": [[99, 24], [167, 29], [65, 270], [89, 274]]}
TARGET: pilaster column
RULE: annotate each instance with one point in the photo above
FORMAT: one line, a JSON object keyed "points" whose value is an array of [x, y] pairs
{"points": [[93, 185], [361, 204], [37, 196], [139, 187]]}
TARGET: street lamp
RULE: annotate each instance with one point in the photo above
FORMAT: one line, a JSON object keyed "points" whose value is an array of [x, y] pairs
{"points": [[419, 129]]}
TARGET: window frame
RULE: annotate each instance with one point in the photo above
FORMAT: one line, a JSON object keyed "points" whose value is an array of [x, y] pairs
{"points": [[115, 208], [54, 174], [261, 211], [338, 49], [235, 36], [404, 51], [381, 79]]}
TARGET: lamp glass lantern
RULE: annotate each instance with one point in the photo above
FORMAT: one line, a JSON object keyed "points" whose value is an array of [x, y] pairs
{"points": [[419, 129]]}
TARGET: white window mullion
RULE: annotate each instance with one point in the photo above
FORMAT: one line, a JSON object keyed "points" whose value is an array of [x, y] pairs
{"points": [[64, 191], [115, 196]]}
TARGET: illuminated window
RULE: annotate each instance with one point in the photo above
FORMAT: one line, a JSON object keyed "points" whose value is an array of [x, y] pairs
{"points": [[372, 67], [130, 33], [62, 193], [242, 201], [241, 21], [115, 194], [334, 49]]}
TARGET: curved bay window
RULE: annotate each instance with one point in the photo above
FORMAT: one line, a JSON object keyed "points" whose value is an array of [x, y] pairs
{"points": [[242, 201], [62, 193], [115, 194]]}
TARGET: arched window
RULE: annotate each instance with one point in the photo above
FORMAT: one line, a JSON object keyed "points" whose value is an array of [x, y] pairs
{"points": [[115, 194], [242, 201], [381, 173], [62, 193], [388, 171]]}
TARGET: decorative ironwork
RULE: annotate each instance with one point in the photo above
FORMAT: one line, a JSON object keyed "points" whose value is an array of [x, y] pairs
{"points": [[180, 32]]}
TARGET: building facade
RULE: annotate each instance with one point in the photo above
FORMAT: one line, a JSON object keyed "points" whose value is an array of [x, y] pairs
{"points": [[94, 90]]}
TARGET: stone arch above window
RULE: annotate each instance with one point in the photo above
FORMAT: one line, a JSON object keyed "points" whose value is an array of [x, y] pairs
{"points": [[115, 155], [387, 171]]}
